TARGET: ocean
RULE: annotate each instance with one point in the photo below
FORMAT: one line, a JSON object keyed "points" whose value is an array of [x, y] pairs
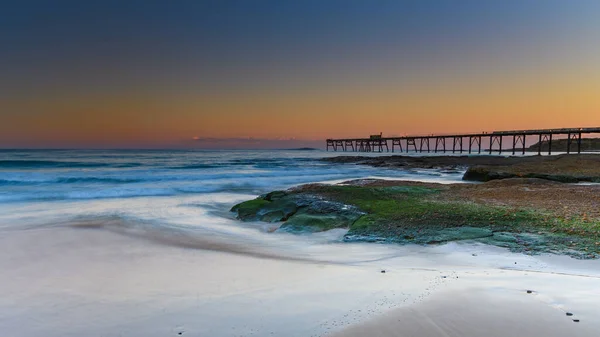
{"points": [[165, 187]]}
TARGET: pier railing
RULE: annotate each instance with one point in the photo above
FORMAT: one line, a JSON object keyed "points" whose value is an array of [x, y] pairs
{"points": [[462, 142]]}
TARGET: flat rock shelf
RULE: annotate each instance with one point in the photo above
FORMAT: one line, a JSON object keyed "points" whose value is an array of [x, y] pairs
{"points": [[522, 214]]}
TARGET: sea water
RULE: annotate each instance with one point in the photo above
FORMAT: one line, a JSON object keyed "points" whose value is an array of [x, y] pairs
{"points": [[165, 192]]}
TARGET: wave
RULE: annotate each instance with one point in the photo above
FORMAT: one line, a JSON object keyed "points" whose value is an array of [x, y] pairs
{"points": [[100, 162], [154, 176], [87, 176], [87, 194], [69, 180], [97, 180], [303, 149], [195, 166], [4, 182], [45, 164], [167, 187], [29, 164], [258, 163]]}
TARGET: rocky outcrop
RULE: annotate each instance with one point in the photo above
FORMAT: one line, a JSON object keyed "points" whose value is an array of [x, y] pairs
{"points": [[527, 215], [563, 168], [587, 144], [484, 173], [299, 212]]}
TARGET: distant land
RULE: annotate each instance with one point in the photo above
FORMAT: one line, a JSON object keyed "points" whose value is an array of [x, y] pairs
{"points": [[587, 144], [558, 145]]}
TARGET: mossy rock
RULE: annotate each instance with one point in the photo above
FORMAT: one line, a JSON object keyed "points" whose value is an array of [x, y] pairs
{"points": [[559, 178], [275, 195], [419, 214], [264, 210], [321, 216], [460, 233], [248, 210], [310, 223], [480, 173], [409, 190], [505, 237], [522, 242], [273, 216]]}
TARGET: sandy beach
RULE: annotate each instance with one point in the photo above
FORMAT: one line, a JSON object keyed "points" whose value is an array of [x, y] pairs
{"points": [[94, 282], [477, 312]]}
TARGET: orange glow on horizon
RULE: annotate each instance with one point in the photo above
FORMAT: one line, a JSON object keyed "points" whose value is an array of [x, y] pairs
{"points": [[430, 106]]}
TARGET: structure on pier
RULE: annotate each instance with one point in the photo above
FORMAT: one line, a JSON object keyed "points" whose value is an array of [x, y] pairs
{"points": [[441, 143]]}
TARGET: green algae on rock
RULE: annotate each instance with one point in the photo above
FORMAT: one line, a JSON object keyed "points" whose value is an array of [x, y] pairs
{"points": [[420, 213], [300, 212], [264, 210]]}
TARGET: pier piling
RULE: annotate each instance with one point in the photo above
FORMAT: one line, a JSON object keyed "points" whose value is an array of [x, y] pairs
{"points": [[378, 143]]}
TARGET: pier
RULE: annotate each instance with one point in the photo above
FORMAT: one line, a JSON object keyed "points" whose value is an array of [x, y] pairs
{"points": [[459, 143]]}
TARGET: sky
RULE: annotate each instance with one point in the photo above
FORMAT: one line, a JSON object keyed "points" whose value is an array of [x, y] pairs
{"points": [[222, 74]]}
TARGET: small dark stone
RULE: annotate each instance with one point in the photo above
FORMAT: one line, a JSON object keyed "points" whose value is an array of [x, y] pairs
{"points": [[576, 320], [529, 291], [569, 314]]}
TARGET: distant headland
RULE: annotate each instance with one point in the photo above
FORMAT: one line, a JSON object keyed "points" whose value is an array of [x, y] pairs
{"points": [[560, 145]]}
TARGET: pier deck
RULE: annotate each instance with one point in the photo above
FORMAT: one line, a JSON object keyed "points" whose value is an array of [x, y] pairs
{"points": [[463, 142]]}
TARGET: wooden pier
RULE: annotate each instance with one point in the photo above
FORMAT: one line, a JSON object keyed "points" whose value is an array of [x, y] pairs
{"points": [[463, 142]]}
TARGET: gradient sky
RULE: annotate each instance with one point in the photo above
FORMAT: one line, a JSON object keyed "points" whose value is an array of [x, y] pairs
{"points": [[258, 73]]}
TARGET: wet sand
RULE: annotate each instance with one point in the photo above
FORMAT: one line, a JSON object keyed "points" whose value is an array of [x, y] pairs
{"points": [[476, 313], [64, 281]]}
